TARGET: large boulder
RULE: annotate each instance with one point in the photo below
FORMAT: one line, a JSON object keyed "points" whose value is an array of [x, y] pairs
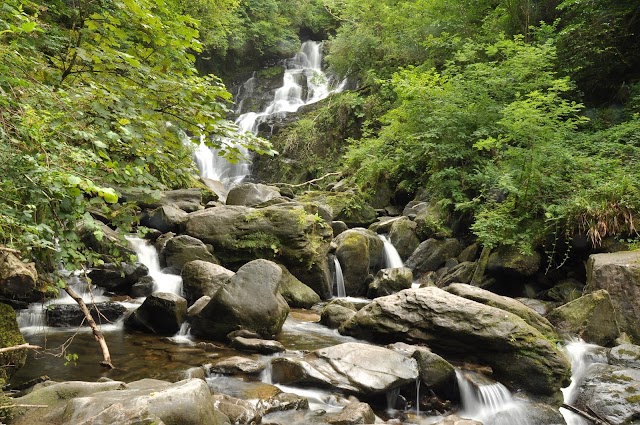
{"points": [[181, 249], [518, 353], [251, 194], [353, 413], [619, 274], [402, 235], [348, 207], [200, 278], [591, 317], [59, 315], [118, 277], [188, 200], [359, 252], [354, 367], [286, 233], [460, 273], [510, 262], [166, 218], [161, 313], [296, 293], [18, 279], [10, 361], [147, 401], [337, 312], [435, 372], [504, 303], [390, 281], [431, 254], [250, 300]]}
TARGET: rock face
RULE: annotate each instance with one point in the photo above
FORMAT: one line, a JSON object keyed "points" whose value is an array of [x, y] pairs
{"points": [[17, 279], [619, 274], [71, 314], [251, 194], [390, 281], [284, 232], [403, 237], [510, 262], [359, 252], [250, 300], [591, 317], [180, 250], [354, 367], [452, 325], [200, 278], [627, 355], [161, 313], [118, 277], [147, 401], [431, 254], [10, 336]]}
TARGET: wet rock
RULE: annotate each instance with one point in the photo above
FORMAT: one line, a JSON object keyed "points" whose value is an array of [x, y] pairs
{"points": [[390, 281], [461, 273], [517, 352], [245, 390], [359, 252], [143, 287], [182, 249], [118, 278], [10, 336], [510, 262], [282, 402], [627, 355], [17, 279], [431, 254], [296, 293], [619, 274], [238, 411], [336, 313], [202, 278], [434, 371], [591, 317], [250, 300], [457, 420], [59, 315], [161, 313], [611, 393], [237, 365], [504, 303], [286, 232], [256, 345], [166, 218], [539, 306], [353, 413], [251, 194], [354, 367]]}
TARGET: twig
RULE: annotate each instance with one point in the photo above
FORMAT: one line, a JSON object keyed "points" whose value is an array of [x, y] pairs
{"points": [[596, 421], [307, 182], [11, 406], [11, 250], [20, 347]]}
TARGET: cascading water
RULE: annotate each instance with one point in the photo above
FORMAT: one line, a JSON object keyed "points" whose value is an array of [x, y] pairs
{"points": [[304, 83], [147, 255], [392, 259], [339, 279]]}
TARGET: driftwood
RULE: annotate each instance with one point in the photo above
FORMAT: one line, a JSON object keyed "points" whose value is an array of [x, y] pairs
{"points": [[307, 182], [595, 420], [106, 362], [11, 250], [20, 347], [11, 406]]}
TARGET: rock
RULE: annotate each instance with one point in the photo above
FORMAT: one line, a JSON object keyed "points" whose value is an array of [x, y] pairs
{"points": [[383, 224], [188, 200], [508, 261], [457, 420], [434, 371], [470, 253], [182, 249], [461, 273], [166, 218], [336, 313], [612, 393], [338, 227], [238, 411], [161, 313], [251, 194], [118, 278], [627, 355], [504, 303], [250, 300], [236, 365], [200, 278], [539, 306], [296, 293], [565, 291], [402, 235], [147, 401], [518, 353], [10, 336], [198, 305], [355, 367], [245, 390], [430, 221], [256, 345], [284, 232], [105, 241], [282, 402], [353, 413], [143, 287], [390, 281], [18, 279], [348, 207], [591, 317], [359, 252], [619, 275], [431, 254], [60, 315]]}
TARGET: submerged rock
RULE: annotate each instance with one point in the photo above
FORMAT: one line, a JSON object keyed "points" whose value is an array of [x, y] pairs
{"points": [[359, 252], [161, 313], [518, 353]]}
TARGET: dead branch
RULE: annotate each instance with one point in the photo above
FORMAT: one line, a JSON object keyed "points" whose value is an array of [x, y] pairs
{"points": [[307, 182], [11, 250], [106, 362], [596, 421], [11, 406], [20, 347]]}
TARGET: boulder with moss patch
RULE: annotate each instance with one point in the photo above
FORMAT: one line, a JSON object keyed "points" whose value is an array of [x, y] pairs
{"points": [[349, 207], [359, 252]]}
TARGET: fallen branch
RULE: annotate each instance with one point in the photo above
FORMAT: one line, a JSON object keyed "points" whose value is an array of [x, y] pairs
{"points": [[307, 182], [106, 362], [20, 347], [11, 250], [11, 406], [596, 421]]}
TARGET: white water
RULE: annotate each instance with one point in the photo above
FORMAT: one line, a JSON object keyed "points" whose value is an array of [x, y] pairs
{"points": [[392, 259], [184, 334], [303, 83], [339, 279], [147, 255]]}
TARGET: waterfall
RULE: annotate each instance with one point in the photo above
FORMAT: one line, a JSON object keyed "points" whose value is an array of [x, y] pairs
{"points": [[482, 399], [147, 255], [392, 398], [339, 279], [392, 259], [184, 334], [303, 83]]}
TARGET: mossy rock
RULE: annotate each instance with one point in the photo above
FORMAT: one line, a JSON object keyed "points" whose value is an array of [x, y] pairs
{"points": [[296, 293], [349, 207], [10, 336], [508, 261]]}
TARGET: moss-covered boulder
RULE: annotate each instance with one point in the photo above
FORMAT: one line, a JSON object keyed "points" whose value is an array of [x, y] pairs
{"points": [[285, 233], [296, 293], [349, 207], [390, 281], [18, 280], [10, 336], [454, 326], [430, 221], [509, 261], [403, 236], [359, 252], [591, 317]]}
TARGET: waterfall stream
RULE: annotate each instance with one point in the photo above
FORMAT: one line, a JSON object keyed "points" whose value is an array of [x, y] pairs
{"points": [[147, 255], [392, 259], [339, 279]]}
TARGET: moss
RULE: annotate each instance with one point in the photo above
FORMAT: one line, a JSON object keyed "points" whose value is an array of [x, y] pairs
{"points": [[272, 72], [259, 242], [10, 336], [633, 399]]}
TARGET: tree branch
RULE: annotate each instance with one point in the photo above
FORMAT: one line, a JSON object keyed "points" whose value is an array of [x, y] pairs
{"points": [[307, 182], [596, 421], [26, 346]]}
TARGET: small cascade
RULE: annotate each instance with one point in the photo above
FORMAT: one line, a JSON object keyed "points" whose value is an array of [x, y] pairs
{"points": [[184, 334], [418, 395], [392, 399], [339, 279], [482, 398], [392, 259], [147, 255]]}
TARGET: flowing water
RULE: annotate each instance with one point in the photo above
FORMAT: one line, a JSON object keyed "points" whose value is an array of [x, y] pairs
{"points": [[338, 279], [147, 255], [392, 259]]}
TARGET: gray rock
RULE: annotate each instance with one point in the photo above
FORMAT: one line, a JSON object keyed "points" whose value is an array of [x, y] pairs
{"points": [[182, 249], [354, 367], [200, 278], [390, 281], [161, 313], [461, 273], [338, 227], [251, 194], [431, 254], [238, 411], [359, 252], [188, 200], [282, 402], [402, 235], [517, 352], [510, 262], [457, 420], [256, 345], [118, 278], [619, 275], [143, 287], [336, 313], [60, 315], [435, 372], [539, 306], [627, 355], [352, 414], [250, 300], [565, 291], [236, 365], [166, 218], [296, 293], [197, 306]]}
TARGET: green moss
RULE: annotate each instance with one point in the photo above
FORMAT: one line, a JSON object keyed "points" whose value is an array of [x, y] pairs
{"points": [[259, 242], [10, 336], [272, 72], [633, 399]]}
